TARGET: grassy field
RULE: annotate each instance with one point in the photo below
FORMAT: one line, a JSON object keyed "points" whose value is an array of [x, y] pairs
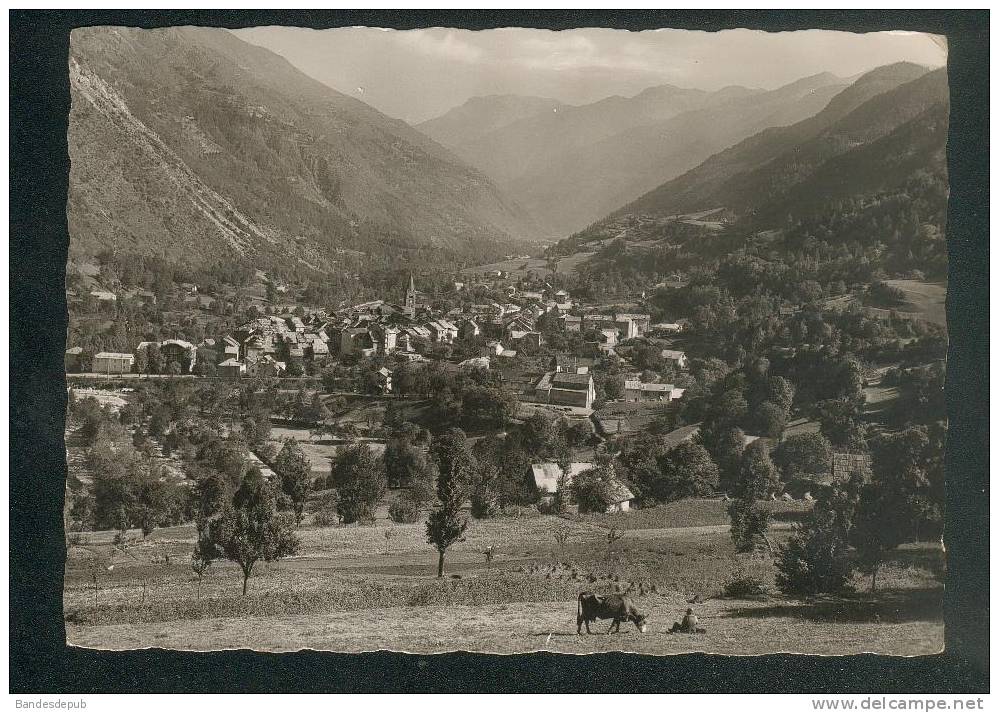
{"points": [[708, 514], [925, 298], [365, 588], [739, 628], [532, 266]]}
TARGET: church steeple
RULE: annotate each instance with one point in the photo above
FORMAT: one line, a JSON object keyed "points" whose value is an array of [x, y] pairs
{"points": [[410, 309]]}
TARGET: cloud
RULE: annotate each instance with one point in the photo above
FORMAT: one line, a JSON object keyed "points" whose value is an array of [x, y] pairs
{"points": [[443, 44]]}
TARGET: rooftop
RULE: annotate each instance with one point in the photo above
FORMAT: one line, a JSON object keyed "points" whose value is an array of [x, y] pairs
{"points": [[639, 386], [546, 475], [564, 379]]}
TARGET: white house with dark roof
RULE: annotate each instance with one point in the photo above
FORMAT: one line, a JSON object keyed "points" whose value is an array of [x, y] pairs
{"points": [[677, 358], [112, 363], [632, 324], [442, 331], [635, 390], [566, 389], [547, 478]]}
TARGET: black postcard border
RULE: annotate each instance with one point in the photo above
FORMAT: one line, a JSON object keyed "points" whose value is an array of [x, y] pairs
{"points": [[40, 662]]}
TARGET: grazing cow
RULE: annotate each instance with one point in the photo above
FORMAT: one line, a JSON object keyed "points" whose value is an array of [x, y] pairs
{"points": [[615, 606]]}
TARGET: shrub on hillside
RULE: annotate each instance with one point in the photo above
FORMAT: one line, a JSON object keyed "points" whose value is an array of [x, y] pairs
{"points": [[741, 585], [483, 505], [816, 560], [324, 514], [404, 511]]}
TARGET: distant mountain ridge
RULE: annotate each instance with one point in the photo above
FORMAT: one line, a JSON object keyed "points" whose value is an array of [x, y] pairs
{"points": [[571, 166], [190, 143], [481, 115]]}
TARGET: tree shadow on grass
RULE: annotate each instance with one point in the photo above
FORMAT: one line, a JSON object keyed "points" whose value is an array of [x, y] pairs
{"points": [[790, 516], [906, 605]]}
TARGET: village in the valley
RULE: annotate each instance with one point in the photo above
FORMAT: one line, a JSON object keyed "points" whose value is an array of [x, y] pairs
{"points": [[370, 346]]}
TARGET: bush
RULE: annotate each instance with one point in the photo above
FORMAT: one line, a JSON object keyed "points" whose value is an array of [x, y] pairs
{"points": [[325, 512], [267, 452], [741, 585], [483, 505], [404, 511], [816, 560], [750, 521], [324, 518]]}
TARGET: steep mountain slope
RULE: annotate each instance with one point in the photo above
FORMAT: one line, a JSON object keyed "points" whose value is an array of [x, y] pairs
{"points": [[821, 222], [911, 154], [763, 166], [481, 115], [192, 144]]}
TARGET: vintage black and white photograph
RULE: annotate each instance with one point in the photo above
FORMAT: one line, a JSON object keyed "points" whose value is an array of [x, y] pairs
{"points": [[506, 341]]}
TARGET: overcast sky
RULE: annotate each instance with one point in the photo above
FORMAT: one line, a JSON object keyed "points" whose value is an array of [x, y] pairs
{"points": [[419, 74]]}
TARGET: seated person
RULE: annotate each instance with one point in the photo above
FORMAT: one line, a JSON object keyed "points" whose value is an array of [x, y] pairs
{"points": [[688, 625]]}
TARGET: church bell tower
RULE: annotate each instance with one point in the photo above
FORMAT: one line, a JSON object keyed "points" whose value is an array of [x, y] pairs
{"points": [[411, 299]]}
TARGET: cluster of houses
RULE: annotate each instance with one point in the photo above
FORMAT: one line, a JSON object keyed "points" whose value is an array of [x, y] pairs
{"points": [[273, 345]]}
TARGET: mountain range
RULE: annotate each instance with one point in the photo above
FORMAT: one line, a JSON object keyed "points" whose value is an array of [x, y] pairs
{"points": [[192, 144], [873, 136], [571, 165]]}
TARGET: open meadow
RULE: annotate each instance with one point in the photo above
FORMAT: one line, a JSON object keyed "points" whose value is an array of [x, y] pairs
{"points": [[927, 299], [526, 267], [373, 587]]}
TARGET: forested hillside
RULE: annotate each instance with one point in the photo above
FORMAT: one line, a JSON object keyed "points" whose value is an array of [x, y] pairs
{"points": [[860, 197]]}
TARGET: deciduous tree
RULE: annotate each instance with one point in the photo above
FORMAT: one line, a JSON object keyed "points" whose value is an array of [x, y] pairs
{"points": [[685, 471], [359, 480], [803, 455], [250, 529], [295, 471]]}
